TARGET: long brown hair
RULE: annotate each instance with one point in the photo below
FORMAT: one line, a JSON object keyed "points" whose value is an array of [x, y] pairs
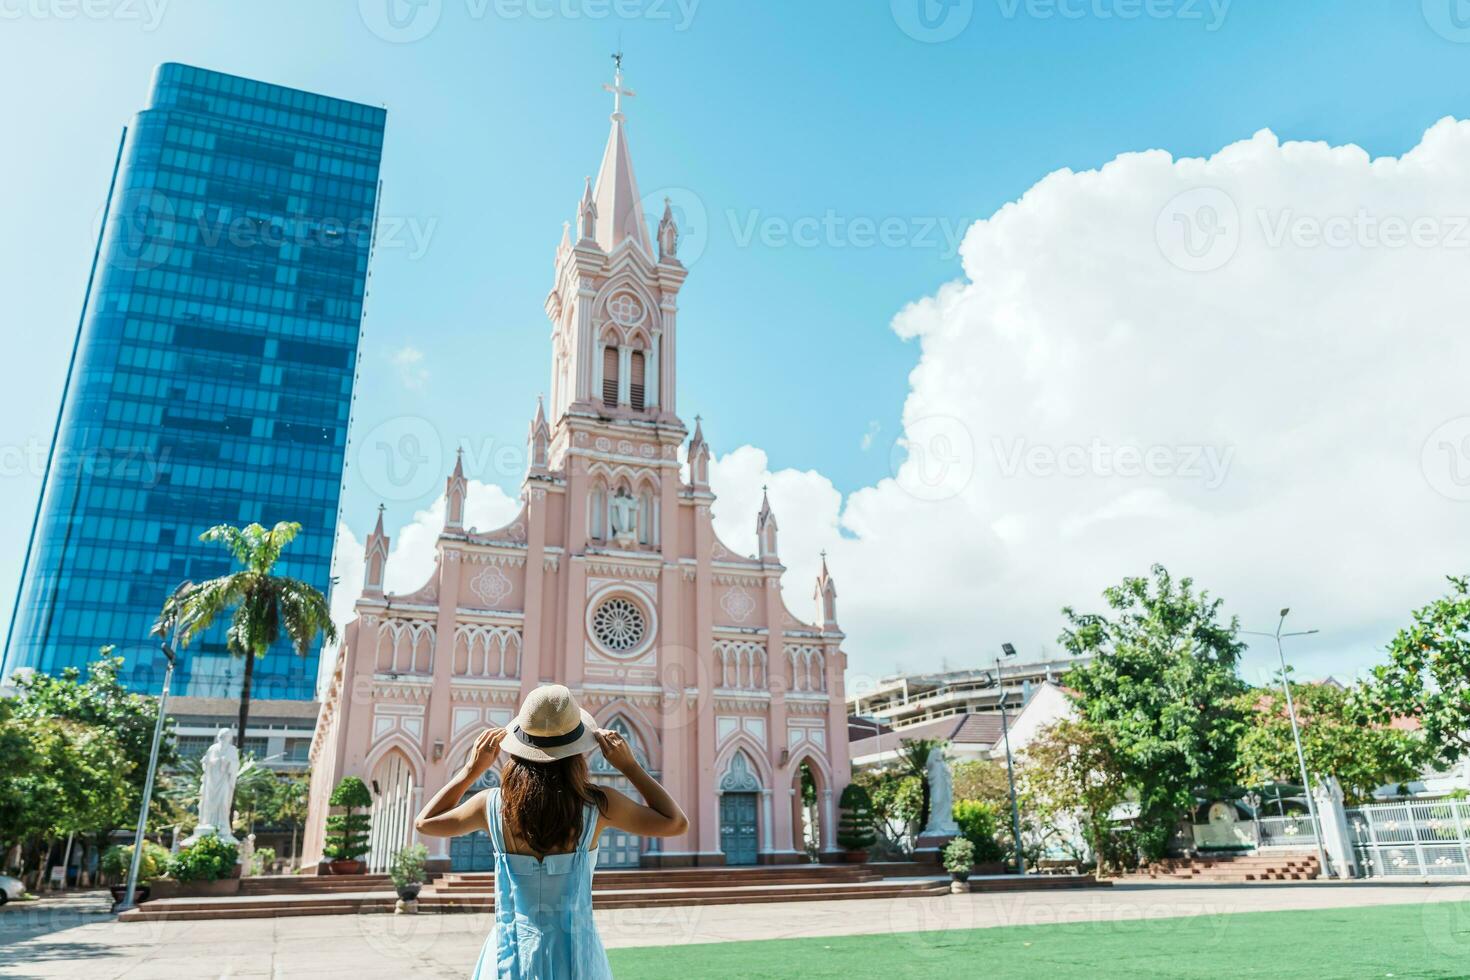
{"points": [[541, 803]]}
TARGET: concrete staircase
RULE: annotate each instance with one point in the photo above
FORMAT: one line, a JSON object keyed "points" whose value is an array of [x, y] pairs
{"points": [[461, 892], [1259, 867]]}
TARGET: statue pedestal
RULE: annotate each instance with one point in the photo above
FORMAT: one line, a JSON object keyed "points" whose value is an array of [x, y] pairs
{"points": [[208, 830], [929, 848]]}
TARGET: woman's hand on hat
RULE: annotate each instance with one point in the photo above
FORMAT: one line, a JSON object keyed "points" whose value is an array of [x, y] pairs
{"points": [[486, 750], [616, 750]]}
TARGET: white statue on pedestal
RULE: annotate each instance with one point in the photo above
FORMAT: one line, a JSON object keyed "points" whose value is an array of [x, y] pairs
{"points": [[941, 796], [218, 769], [624, 518]]}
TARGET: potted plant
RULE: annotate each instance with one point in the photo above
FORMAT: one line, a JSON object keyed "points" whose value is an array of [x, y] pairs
{"points": [[959, 857], [347, 832], [855, 831], [408, 871], [118, 859], [206, 867]]}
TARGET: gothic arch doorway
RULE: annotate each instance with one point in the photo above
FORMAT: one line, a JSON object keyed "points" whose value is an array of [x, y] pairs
{"points": [[739, 808], [807, 826], [395, 798], [474, 852], [618, 848]]}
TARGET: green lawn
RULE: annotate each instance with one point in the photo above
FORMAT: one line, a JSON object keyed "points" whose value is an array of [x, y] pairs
{"points": [[1431, 940]]}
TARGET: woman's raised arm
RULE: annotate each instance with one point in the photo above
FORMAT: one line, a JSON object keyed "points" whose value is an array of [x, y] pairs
{"points": [[440, 817], [661, 817]]}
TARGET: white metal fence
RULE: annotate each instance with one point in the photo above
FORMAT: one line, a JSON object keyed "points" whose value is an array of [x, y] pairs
{"points": [[1412, 839], [1294, 831]]}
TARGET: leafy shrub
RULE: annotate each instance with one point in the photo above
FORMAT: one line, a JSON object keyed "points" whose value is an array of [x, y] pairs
{"points": [[207, 859], [117, 859], [262, 859], [959, 856], [855, 827], [347, 833], [979, 822], [408, 866]]}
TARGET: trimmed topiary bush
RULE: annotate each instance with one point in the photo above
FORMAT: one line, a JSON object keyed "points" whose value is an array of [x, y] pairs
{"points": [[959, 856], [855, 827], [347, 832]]}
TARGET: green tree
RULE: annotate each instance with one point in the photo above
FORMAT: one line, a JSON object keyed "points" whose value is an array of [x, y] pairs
{"points": [[1071, 779], [264, 604], [288, 807], [913, 758], [347, 832], [58, 778], [980, 823], [981, 780], [1427, 676], [1161, 689], [100, 701], [1335, 741], [897, 799]]}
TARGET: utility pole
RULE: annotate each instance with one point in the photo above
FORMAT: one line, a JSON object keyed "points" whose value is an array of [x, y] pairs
{"points": [[165, 629], [1296, 735], [1009, 651]]}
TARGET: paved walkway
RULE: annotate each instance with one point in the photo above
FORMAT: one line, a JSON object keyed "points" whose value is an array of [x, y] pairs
{"points": [[80, 941]]}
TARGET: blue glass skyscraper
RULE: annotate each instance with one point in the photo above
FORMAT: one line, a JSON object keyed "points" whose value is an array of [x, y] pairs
{"points": [[212, 376]]}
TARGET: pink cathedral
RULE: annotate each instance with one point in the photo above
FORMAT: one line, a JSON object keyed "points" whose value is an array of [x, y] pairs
{"points": [[610, 580]]}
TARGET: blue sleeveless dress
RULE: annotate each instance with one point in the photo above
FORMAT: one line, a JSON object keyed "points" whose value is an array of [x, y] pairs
{"points": [[543, 911]]}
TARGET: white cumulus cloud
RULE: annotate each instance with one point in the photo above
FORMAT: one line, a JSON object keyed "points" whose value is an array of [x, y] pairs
{"points": [[411, 547], [1250, 368]]}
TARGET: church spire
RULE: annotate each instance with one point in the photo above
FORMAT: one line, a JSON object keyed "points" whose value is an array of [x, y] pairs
{"points": [[698, 458], [826, 596], [765, 528], [375, 557], [539, 442], [619, 208], [456, 489]]}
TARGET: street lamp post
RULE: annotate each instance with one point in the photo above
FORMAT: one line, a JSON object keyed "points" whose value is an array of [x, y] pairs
{"points": [[1009, 651], [164, 628], [1296, 735]]}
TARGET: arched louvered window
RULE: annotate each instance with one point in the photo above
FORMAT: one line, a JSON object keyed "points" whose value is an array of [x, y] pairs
{"points": [[635, 386], [610, 377]]}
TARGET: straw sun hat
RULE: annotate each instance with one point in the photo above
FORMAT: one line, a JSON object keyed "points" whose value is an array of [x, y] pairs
{"points": [[551, 726]]}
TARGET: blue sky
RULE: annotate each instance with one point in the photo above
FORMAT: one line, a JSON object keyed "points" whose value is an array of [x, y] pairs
{"points": [[766, 120]]}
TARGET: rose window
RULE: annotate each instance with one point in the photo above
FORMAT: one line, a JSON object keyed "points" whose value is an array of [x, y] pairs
{"points": [[619, 625]]}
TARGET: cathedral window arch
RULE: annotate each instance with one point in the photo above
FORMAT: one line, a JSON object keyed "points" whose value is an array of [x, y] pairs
{"points": [[597, 514], [637, 379], [610, 374]]}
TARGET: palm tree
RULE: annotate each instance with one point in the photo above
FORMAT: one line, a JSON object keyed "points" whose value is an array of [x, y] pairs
{"points": [[264, 604]]}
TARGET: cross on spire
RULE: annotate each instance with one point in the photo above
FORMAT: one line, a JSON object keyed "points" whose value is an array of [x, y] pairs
{"points": [[616, 88]]}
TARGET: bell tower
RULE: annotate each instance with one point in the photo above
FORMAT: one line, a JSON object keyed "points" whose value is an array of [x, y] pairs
{"points": [[614, 304]]}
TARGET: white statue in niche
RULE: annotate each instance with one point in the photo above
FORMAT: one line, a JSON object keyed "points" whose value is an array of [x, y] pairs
{"points": [[624, 511], [941, 796], [218, 770]]}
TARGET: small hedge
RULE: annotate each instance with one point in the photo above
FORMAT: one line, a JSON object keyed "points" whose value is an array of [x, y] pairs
{"points": [[117, 860], [207, 859], [979, 821]]}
